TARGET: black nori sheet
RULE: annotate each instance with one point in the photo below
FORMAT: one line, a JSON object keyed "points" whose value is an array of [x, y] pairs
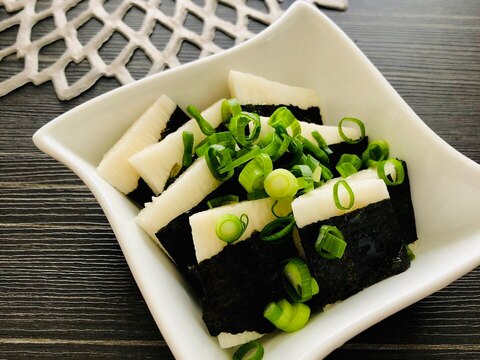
{"points": [[375, 250], [141, 194], [176, 236], [239, 282], [402, 204], [311, 115], [177, 119]]}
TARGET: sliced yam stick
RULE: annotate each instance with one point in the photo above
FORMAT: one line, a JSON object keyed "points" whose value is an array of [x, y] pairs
{"points": [[146, 130], [318, 204], [206, 242], [262, 96], [227, 340], [155, 163]]}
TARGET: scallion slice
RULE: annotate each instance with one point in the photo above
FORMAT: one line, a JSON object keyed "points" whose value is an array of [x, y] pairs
{"points": [[278, 229], [399, 172], [271, 144], [224, 138], [253, 348], [230, 108], [203, 124], [297, 280], [287, 317], [218, 156], [330, 243], [348, 165], [410, 254], [322, 144], [229, 227], [254, 173], [222, 200], [313, 149], [244, 157], [336, 198], [187, 137], [240, 128], [375, 152], [357, 122], [282, 120], [281, 183]]}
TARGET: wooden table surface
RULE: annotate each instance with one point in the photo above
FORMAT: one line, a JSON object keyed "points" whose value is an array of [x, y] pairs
{"points": [[65, 289]]}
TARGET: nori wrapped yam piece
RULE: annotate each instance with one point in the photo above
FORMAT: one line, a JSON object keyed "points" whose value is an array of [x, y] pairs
{"points": [[176, 237], [375, 251], [142, 193], [402, 204], [239, 282], [311, 115]]}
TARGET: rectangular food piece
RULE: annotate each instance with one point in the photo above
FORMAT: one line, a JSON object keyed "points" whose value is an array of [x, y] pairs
{"points": [[375, 249], [262, 96]]}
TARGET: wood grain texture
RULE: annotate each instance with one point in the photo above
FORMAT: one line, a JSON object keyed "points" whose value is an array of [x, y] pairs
{"points": [[65, 289]]}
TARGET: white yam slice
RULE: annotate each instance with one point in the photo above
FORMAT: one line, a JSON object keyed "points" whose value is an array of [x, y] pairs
{"points": [[146, 130], [184, 194], [319, 205], [155, 163], [252, 89], [206, 242]]}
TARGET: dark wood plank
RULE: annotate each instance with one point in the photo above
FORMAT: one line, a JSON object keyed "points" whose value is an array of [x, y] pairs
{"points": [[65, 288]]}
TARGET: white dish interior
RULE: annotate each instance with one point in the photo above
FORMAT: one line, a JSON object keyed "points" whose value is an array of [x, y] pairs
{"points": [[303, 48]]}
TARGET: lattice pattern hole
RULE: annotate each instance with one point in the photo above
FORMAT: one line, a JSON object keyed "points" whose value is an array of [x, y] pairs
{"points": [[74, 72], [188, 52], [10, 64], [88, 30], [133, 16], [160, 35], [112, 47], [49, 53], [223, 39], [139, 64], [193, 22], [42, 28], [225, 12]]}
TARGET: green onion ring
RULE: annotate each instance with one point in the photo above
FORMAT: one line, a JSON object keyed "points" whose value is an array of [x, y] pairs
{"points": [[359, 123], [254, 173], [244, 349], [336, 199], [187, 138], [218, 156], [399, 172], [230, 108], [282, 119], [229, 227], [278, 229], [330, 243], [203, 124], [297, 280], [239, 126], [375, 152], [222, 200]]}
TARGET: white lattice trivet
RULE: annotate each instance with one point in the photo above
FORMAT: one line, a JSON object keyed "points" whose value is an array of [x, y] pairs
{"points": [[27, 49]]}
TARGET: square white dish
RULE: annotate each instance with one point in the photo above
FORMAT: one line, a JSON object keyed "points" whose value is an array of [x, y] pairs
{"points": [[303, 48]]}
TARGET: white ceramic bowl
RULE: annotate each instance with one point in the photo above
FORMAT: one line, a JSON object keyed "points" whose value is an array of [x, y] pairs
{"points": [[303, 48]]}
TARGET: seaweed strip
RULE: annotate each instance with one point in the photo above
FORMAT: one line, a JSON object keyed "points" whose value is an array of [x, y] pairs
{"points": [[177, 119], [239, 282], [375, 250], [141, 194], [176, 236], [311, 115], [345, 148]]}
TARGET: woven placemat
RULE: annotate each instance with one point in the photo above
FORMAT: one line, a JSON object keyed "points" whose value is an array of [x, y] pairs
{"points": [[25, 16]]}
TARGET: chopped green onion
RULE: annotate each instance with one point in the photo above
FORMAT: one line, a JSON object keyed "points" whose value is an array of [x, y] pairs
{"points": [[230, 108], [359, 123], [410, 254], [229, 227], [322, 144], [245, 156], [287, 317], [187, 137], [278, 229], [254, 173], [399, 172], [281, 183], [348, 165], [282, 120], [271, 144], [286, 140], [330, 243], [222, 200], [218, 156], [203, 124], [253, 348], [326, 173], [285, 205], [298, 280], [295, 151], [224, 138], [313, 149], [336, 198], [302, 171], [375, 152], [239, 127]]}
